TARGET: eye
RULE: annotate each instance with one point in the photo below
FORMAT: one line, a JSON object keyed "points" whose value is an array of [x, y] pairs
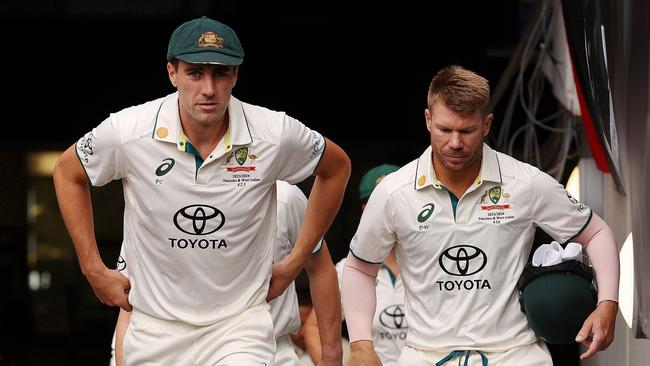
{"points": [[195, 74]]}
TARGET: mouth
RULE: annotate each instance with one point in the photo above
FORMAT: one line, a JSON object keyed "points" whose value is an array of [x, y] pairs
{"points": [[207, 106], [455, 157]]}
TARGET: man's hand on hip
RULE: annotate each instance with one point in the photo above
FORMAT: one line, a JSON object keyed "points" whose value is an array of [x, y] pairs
{"points": [[111, 287]]}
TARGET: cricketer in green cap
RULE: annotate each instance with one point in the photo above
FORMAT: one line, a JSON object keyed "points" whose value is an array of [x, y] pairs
{"points": [[372, 177], [205, 41]]}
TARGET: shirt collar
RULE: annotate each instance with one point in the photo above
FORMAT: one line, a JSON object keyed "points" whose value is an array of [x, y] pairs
{"points": [[490, 168], [167, 126], [425, 175]]}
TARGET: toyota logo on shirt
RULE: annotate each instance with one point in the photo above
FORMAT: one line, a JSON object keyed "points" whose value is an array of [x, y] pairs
{"points": [[199, 219], [393, 317], [462, 260]]}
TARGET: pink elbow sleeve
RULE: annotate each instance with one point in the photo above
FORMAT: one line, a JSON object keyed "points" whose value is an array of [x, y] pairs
{"points": [[359, 297], [598, 240]]}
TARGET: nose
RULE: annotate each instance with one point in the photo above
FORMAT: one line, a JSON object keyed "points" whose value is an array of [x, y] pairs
{"points": [[455, 142], [208, 86]]}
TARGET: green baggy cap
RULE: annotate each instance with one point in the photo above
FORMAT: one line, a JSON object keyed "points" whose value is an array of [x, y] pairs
{"points": [[370, 180], [205, 41], [557, 299]]}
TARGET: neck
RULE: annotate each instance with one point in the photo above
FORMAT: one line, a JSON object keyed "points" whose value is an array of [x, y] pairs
{"points": [[205, 137], [457, 181]]}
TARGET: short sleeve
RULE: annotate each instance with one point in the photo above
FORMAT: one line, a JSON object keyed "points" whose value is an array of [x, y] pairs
{"points": [[554, 209], [99, 153], [375, 235], [300, 151]]}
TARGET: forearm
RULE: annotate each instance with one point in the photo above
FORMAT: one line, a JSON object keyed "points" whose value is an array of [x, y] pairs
{"points": [[325, 296], [325, 198], [312, 337], [73, 196], [359, 297], [599, 243]]}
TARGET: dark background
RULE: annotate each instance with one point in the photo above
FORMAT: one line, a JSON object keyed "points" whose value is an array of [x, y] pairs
{"points": [[359, 76], [329, 66], [357, 73]]}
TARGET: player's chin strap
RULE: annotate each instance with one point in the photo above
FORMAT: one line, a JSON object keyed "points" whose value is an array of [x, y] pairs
{"points": [[460, 354]]}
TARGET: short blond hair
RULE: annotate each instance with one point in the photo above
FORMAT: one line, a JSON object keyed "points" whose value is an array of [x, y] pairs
{"points": [[463, 91]]}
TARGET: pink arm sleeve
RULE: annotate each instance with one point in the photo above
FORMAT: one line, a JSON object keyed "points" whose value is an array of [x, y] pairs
{"points": [[598, 240], [359, 297]]}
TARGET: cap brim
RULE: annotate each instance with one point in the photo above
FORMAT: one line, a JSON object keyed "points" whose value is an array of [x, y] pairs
{"points": [[212, 58]]}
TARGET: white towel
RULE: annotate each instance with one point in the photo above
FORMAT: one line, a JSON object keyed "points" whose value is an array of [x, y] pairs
{"points": [[553, 253]]}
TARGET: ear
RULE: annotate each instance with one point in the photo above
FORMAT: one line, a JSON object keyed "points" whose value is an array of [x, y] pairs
{"points": [[427, 117], [235, 71], [487, 124], [171, 72]]}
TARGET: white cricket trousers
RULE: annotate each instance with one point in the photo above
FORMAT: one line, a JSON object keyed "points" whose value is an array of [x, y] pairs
{"points": [[285, 354], [242, 340]]}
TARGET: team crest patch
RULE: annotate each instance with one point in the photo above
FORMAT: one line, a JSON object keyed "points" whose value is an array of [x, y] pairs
{"points": [[241, 155], [210, 39], [495, 194]]}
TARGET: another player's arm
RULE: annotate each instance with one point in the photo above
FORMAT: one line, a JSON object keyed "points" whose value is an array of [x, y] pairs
{"points": [[359, 302], [312, 337], [324, 287], [331, 177], [73, 195]]}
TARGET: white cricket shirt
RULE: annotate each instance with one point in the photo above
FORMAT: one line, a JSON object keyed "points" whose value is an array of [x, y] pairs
{"points": [[460, 259], [198, 234]]}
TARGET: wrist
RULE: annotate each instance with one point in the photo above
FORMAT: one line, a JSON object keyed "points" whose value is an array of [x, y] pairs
{"points": [[362, 345], [92, 268], [295, 262], [332, 352], [608, 303]]}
